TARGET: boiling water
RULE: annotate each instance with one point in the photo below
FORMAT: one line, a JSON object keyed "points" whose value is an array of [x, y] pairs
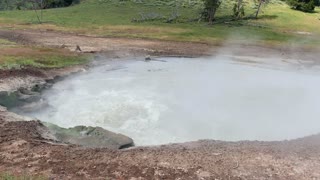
{"points": [[177, 100]]}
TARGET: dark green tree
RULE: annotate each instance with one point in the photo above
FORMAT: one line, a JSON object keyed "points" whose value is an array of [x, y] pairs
{"points": [[303, 5], [60, 3], [238, 9], [210, 9]]}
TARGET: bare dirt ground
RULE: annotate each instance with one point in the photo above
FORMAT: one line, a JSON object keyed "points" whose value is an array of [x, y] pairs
{"points": [[110, 46], [24, 150], [26, 147], [12, 80], [124, 47]]}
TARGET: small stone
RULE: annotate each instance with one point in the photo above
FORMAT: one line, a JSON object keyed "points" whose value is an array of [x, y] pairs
{"points": [[147, 58]]}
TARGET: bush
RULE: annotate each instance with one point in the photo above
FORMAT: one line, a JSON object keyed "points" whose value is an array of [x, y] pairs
{"points": [[303, 5], [27, 4], [60, 3], [210, 9]]}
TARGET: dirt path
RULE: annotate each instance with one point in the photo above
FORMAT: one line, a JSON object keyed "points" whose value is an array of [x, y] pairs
{"points": [[114, 46], [24, 148], [128, 47]]}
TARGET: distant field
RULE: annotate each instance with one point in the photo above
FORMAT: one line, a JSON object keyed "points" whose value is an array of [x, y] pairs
{"points": [[277, 24]]}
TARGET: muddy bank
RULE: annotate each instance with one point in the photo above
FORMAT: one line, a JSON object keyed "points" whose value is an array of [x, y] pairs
{"points": [[22, 89], [112, 47], [24, 150], [27, 147], [124, 47]]}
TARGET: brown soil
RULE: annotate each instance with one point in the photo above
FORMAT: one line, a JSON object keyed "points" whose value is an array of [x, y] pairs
{"points": [[25, 150], [124, 47], [29, 51], [21, 73], [114, 46]]}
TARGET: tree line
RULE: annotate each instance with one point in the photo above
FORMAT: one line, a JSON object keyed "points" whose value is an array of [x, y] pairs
{"points": [[211, 7], [31, 4]]}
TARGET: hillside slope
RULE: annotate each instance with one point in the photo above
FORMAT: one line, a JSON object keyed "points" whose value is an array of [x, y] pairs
{"points": [[277, 23]]}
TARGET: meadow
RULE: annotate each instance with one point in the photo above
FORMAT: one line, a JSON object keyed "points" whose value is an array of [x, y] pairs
{"points": [[173, 21]]}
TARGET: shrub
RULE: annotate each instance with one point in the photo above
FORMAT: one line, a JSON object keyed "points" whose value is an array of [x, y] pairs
{"points": [[60, 3], [302, 5]]}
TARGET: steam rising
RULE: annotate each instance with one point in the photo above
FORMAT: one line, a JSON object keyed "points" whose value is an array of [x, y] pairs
{"points": [[177, 100]]}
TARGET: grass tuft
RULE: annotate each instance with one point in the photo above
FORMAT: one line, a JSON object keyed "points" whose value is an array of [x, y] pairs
{"points": [[7, 176]]}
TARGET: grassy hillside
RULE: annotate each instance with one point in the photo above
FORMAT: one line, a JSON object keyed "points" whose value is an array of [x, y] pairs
{"points": [[277, 24]]}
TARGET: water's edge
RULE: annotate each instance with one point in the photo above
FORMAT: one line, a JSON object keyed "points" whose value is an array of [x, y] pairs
{"points": [[29, 98]]}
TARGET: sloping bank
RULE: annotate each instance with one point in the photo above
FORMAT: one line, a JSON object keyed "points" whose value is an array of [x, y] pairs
{"points": [[22, 88], [29, 147]]}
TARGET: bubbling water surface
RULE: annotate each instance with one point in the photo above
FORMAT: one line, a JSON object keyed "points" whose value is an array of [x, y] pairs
{"points": [[179, 99]]}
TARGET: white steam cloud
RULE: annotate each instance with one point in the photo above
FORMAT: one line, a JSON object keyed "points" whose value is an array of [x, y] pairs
{"points": [[180, 99]]}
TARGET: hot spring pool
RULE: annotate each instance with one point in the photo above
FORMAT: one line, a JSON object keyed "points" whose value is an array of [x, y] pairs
{"points": [[179, 99]]}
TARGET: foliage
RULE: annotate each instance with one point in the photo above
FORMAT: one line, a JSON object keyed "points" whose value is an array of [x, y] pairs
{"points": [[238, 9], [210, 9], [60, 3], [112, 18], [40, 4], [303, 5]]}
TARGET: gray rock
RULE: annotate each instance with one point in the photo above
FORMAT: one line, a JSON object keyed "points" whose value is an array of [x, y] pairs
{"points": [[147, 58], [93, 137]]}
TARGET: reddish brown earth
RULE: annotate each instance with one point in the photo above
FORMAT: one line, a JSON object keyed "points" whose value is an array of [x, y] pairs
{"points": [[24, 150], [26, 147], [21, 73]]}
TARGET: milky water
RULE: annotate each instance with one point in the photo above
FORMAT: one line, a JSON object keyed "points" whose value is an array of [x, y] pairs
{"points": [[179, 99]]}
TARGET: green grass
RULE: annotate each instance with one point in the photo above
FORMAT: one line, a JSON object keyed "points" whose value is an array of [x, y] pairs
{"points": [[51, 61], [278, 23], [7, 176], [14, 56], [4, 42]]}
